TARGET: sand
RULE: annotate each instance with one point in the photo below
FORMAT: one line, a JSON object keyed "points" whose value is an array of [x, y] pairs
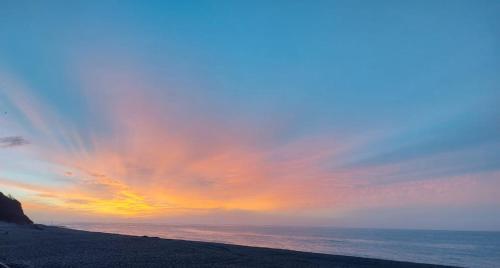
{"points": [[50, 246]]}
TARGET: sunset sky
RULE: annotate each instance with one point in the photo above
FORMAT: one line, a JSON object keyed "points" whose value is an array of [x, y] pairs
{"points": [[339, 113]]}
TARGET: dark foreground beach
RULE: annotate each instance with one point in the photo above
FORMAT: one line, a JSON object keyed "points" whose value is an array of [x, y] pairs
{"points": [[48, 246]]}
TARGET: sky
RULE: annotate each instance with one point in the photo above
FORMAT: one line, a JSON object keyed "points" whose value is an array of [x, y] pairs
{"points": [[330, 113]]}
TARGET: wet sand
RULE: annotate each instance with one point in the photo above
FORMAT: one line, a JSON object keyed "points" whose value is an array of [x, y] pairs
{"points": [[49, 246]]}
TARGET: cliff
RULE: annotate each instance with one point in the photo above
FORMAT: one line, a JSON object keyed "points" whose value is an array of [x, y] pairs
{"points": [[12, 211]]}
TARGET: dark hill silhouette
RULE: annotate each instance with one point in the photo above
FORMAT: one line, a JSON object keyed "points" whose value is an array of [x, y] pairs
{"points": [[11, 211]]}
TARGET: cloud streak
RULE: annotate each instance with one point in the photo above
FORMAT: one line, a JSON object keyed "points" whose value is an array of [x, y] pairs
{"points": [[14, 141]]}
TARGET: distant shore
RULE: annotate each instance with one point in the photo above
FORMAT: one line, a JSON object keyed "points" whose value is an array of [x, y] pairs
{"points": [[50, 246]]}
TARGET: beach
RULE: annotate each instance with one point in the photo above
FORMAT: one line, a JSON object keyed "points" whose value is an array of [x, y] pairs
{"points": [[51, 246]]}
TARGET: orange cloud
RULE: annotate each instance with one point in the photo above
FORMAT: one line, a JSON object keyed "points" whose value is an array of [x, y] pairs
{"points": [[151, 159]]}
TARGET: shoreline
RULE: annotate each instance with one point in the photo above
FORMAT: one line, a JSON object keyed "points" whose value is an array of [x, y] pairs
{"points": [[56, 246]]}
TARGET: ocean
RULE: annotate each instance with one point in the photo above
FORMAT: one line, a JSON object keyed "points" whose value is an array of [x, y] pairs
{"points": [[460, 248]]}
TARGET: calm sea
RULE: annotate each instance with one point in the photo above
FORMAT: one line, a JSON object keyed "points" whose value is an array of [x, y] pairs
{"points": [[461, 248]]}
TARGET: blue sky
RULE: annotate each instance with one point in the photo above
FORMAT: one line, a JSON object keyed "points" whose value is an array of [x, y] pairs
{"points": [[399, 95]]}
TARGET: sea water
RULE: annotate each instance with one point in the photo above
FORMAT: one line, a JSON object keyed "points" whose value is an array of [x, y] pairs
{"points": [[460, 248]]}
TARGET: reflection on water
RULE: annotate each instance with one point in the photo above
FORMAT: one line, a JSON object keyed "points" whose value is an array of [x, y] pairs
{"points": [[470, 249]]}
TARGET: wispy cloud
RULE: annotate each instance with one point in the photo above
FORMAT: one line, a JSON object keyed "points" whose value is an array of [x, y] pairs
{"points": [[14, 141]]}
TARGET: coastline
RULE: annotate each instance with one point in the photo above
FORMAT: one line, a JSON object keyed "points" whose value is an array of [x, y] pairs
{"points": [[53, 246]]}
